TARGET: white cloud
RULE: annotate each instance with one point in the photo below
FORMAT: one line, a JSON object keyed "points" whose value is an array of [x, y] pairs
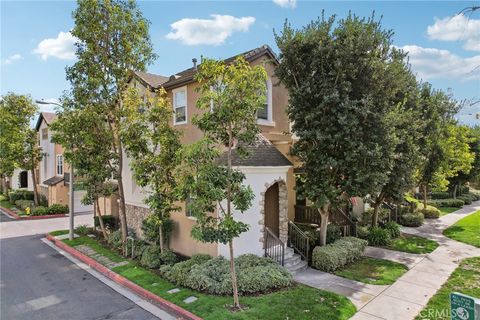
{"points": [[286, 3], [208, 31], [432, 63], [61, 47], [457, 28], [13, 58]]}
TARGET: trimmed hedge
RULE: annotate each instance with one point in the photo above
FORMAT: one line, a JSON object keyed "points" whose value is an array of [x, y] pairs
{"points": [[456, 203], [412, 219], [440, 195], [53, 209], [212, 275], [20, 195], [334, 256], [378, 237], [430, 212], [39, 211]]}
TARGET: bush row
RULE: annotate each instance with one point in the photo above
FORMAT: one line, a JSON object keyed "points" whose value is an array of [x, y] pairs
{"points": [[53, 209], [456, 203], [381, 235], [336, 255], [19, 194]]}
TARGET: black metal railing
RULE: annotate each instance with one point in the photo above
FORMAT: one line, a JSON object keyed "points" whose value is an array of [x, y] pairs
{"points": [[392, 211], [298, 240], [274, 247], [305, 214]]}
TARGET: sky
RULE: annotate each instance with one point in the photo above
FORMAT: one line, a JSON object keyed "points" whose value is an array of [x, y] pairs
{"points": [[444, 48]]}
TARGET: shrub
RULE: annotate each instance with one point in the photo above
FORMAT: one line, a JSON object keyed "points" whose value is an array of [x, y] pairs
{"points": [[168, 257], [42, 200], [334, 256], [255, 275], [440, 195], [465, 199], [109, 222], [57, 209], [474, 196], [151, 257], [431, 212], [412, 219], [39, 211], [150, 229], [14, 196], [333, 233], [362, 232], [456, 203], [115, 239], [23, 204], [393, 229], [83, 230], [139, 247], [378, 236], [178, 273]]}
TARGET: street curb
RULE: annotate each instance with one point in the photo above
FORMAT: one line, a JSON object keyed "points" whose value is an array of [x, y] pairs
{"points": [[167, 305], [15, 216]]}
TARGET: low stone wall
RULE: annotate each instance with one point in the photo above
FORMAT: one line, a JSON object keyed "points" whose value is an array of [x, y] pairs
{"points": [[135, 216]]}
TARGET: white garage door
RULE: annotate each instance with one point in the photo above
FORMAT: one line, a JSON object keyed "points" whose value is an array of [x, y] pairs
{"points": [[78, 206]]}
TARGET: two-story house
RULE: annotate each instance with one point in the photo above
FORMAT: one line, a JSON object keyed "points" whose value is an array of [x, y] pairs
{"points": [[268, 168]]}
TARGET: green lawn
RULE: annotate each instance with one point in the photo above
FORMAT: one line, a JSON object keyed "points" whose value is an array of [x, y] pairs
{"points": [[297, 302], [466, 230], [447, 210], [6, 204], [373, 271], [465, 279], [412, 244]]}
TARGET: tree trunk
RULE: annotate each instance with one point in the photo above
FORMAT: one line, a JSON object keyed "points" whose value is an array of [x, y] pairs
{"points": [[375, 214], [35, 188], [160, 236], [455, 192], [236, 300], [425, 196], [100, 219], [324, 223], [121, 195]]}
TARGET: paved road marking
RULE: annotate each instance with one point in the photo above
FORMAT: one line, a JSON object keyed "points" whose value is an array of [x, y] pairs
{"points": [[153, 309]]}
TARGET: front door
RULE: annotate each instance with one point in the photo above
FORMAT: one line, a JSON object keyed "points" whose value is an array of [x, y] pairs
{"points": [[272, 209], [24, 179]]}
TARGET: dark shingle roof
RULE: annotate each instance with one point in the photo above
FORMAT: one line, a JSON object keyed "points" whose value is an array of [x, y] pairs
{"points": [[150, 79], [49, 117], [187, 75], [53, 181], [262, 153]]}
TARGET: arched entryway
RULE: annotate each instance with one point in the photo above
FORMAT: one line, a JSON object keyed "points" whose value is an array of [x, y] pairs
{"points": [[24, 179], [271, 209]]}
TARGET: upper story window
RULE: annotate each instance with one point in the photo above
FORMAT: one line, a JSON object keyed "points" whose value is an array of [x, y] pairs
{"points": [[188, 210], [180, 105], [265, 114], [44, 133], [59, 164]]}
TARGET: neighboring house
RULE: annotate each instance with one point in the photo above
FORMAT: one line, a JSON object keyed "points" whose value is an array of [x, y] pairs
{"points": [[21, 179], [269, 169], [54, 174]]}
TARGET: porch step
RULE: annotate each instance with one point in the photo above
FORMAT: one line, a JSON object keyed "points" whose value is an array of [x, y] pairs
{"points": [[297, 267]]}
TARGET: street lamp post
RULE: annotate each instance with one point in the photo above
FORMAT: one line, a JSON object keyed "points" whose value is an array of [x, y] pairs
{"points": [[70, 187]]}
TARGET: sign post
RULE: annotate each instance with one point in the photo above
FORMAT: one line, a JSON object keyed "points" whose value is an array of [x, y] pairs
{"points": [[464, 307]]}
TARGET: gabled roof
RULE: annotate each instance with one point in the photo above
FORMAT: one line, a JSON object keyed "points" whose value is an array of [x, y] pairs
{"points": [[262, 153], [49, 117], [150, 79], [53, 181], [188, 75]]}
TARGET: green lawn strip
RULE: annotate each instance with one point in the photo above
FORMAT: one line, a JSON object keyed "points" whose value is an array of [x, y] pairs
{"points": [[59, 232], [8, 205], [466, 230], [373, 271], [412, 244], [447, 210], [297, 302], [465, 279]]}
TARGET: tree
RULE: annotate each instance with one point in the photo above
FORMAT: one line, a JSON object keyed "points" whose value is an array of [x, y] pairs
{"points": [[32, 155], [112, 39], [339, 99], [153, 144], [230, 97], [444, 147], [17, 111], [82, 134], [405, 125]]}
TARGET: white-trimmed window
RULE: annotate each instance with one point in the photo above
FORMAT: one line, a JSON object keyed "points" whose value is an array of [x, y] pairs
{"points": [[59, 164], [180, 105], [265, 114], [188, 211]]}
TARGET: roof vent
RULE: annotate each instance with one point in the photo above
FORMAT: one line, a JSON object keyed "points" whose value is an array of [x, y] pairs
{"points": [[194, 60]]}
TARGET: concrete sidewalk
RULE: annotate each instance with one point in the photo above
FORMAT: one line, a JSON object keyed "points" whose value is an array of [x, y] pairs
{"points": [[410, 293]]}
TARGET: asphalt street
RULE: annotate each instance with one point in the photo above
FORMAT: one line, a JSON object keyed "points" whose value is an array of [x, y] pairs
{"points": [[37, 282]]}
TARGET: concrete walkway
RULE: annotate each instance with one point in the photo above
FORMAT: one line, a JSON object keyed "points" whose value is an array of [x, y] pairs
{"points": [[410, 293], [408, 259]]}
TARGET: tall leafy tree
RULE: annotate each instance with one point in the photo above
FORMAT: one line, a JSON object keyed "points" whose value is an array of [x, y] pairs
{"points": [[113, 39], [32, 155], [16, 136], [230, 97], [153, 144], [340, 94]]}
